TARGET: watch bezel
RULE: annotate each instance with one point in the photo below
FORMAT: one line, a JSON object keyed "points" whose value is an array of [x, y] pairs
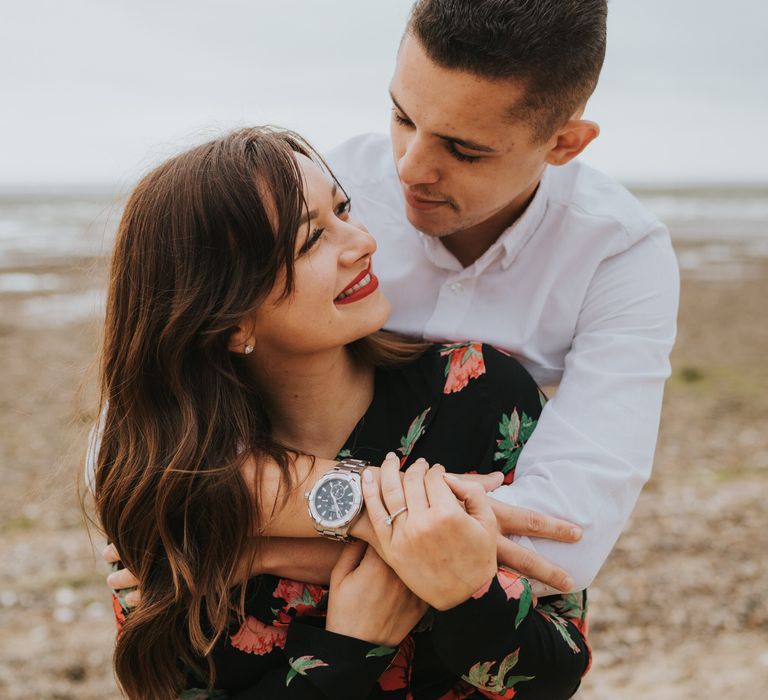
{"points": [[357, 499]]}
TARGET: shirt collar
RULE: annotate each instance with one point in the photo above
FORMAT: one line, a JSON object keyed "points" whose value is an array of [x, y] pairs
{"points": [[508, 245]]}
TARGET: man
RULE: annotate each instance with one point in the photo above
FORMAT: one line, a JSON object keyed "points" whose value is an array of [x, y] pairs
{"points": [[489, 230]]}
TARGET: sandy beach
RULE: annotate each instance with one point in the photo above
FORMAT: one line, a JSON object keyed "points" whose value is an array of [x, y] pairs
{"points": [[679, 611]]}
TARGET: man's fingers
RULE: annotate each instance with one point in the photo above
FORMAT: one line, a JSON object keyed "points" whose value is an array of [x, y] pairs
{"points": [[489, 482], [513, 520], [532, 565], [109, 554], [122, 579], [350, 557]]}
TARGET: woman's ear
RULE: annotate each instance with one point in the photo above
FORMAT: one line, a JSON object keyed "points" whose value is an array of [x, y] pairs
{"points": [[242, 341]]}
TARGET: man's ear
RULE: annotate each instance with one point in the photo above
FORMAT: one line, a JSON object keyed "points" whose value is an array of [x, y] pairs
{"points": [[571, 139]]}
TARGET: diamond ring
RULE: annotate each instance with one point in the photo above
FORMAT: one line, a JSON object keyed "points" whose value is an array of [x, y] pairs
{"points": [[390, 518]]}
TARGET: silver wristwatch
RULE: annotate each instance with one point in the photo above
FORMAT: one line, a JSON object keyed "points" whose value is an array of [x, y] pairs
{"points": [[336, 499]]}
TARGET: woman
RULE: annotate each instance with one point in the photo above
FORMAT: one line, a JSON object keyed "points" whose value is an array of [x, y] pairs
{"points": [[241, 336]]}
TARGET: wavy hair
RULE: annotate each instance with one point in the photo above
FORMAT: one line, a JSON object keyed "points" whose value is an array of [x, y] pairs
{"points": [[203, 239]]}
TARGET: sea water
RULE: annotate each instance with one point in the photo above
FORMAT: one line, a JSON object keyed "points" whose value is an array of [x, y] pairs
{"points": [[52, 247]]}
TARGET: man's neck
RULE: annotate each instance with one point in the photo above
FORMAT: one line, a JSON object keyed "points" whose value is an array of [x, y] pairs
{"points": [[469, 244], [314, 401]]}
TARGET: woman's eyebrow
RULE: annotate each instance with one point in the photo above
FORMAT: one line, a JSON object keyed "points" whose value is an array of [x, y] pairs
{"points": [[306, 217]]}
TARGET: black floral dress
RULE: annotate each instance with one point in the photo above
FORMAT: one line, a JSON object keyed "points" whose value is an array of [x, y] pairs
{"points": [[471, 408]]}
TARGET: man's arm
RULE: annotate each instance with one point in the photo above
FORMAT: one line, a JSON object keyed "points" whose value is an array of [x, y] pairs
{"points": [[592, 450]]}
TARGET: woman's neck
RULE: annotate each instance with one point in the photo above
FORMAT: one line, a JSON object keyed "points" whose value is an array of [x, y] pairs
{"points": [[314, 402]]}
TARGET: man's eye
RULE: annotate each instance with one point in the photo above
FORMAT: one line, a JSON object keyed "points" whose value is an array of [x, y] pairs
{"points": [[458, 155], [400, 119]]}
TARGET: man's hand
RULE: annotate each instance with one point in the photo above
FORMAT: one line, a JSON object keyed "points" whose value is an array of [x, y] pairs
{"points": [[512, 520], [122, 578]]}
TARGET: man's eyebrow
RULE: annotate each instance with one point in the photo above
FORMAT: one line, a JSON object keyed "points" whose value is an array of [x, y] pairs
{"points": [[466, 143], [306, 217]]}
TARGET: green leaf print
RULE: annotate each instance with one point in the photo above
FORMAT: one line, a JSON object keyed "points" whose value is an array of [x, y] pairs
{"points": [[301, 666], [380, 651], [343, 454], [415, 431], [481, 677], [560, 625], [571, 606], [515, 430], [525, 602]]}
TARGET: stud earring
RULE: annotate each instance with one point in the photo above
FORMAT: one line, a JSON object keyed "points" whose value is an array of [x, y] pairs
{"points": [[248, 349]]}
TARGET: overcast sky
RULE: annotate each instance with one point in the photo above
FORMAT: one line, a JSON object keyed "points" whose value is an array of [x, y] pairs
{"points": [[92, 92]]}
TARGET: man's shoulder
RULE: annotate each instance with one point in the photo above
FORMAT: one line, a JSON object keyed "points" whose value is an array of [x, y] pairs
{"points": [[362, 160], [581, 191]]}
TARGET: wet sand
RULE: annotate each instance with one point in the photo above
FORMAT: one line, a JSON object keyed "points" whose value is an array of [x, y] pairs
{"points": [[679, 611]]}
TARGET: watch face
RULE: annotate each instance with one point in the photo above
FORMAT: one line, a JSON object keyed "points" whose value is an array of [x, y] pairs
{"points": [[334, 499]]}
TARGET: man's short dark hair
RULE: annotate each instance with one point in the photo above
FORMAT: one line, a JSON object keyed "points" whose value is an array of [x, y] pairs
{"points": [[554, 48]]}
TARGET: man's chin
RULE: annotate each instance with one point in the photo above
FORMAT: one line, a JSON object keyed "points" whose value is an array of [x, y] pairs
{"points": [[430, 226]]}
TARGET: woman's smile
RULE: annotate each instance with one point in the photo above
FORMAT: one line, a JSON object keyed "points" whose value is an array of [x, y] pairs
{"points": [[362, 286]]}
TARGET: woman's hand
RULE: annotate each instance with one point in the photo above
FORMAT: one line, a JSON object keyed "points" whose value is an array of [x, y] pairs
{"points": [[368, 601], [442, 549]]}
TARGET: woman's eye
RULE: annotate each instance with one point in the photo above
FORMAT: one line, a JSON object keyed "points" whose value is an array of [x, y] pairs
{"points": [[312, 239], [344, 208]]}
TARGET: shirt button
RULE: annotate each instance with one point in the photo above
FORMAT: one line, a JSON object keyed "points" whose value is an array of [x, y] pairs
{"points": [[457, 287]]}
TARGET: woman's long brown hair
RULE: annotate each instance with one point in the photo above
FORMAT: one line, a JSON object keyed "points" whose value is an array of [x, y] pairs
{"points": [[203, 239]]}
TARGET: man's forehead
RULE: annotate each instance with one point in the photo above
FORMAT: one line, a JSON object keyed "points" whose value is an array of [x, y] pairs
{"points": [[443, 99]]}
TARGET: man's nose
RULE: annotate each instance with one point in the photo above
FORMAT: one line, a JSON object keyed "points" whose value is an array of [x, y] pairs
{"points": [[416, 165]]}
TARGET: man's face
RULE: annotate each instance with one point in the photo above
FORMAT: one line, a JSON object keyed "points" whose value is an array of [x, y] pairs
{"points": [[461, 162]]}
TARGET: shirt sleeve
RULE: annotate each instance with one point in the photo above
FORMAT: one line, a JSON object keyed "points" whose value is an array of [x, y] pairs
{"points": [[499, 642], [322, 665], [592, 450]]}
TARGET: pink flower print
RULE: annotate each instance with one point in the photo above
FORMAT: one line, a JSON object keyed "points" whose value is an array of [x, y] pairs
{"points": [[465, 362], [512, 583], [301, 597], [254, 637], [480, 592]]}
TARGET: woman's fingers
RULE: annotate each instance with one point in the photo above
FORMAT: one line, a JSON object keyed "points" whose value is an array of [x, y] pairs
{"points": [[489, 482], [391, 483], [377, 512], [475, 501], [439, 494], [413, 484]]}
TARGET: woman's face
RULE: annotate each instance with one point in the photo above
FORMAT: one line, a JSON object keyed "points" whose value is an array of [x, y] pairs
{"points": [[335, 299]]}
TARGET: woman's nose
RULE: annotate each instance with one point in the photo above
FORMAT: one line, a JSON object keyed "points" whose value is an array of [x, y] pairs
{"points": [[360, 243]]}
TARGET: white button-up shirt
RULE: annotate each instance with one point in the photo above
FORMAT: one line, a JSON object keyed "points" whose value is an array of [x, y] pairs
{"points": [[583, 289]]}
